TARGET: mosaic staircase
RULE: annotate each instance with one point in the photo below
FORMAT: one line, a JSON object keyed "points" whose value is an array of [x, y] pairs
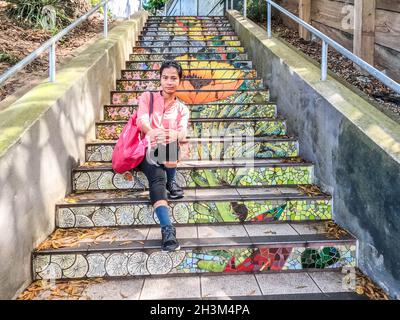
{"points": [[247, 206]]}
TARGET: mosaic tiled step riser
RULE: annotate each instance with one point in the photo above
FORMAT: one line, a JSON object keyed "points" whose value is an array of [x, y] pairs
{"points": [[223, 260], [249, 129], [112, 215], [136, 180], [199, 97], [188, 52], [188, 33], [193, 84], [194, 29], [192, 56], [191, 64], [192, 73], [213, 151], [200, 38], [190, 26], [182, 43], [116, 113]]}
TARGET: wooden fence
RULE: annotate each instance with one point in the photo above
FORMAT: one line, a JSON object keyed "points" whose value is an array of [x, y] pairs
{"points": [[369, 28]]}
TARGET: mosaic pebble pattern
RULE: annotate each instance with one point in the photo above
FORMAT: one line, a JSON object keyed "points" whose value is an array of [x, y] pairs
{"points": [[193, 29], [183, 43], [188, 33], [202, 73], [213, 151], [186, 18], [193, 56], [130, 98], [188, 64], [200, 38], [125, 263], [189, 25], [190, 50], [194, 212], [111, 131], [128, 85], [201, 111], [258, 176]]}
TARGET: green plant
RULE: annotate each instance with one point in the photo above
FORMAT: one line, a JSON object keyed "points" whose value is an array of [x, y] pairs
{"points": [[256, 9], [38, 13], [94, 3], [154, 5], [9, 58]]}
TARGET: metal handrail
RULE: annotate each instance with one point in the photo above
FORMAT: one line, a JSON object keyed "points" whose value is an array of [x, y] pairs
{"points": [[168, 6], [244, 7], [218, 3], [326, 41], [51, 45]]}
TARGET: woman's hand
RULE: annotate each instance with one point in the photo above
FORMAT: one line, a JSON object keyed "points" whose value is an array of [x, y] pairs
{"points": [[172, 135], [159, 134]]}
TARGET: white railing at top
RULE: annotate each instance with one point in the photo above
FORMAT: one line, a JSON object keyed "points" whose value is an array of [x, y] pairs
{"points": [[326, 41], [51, 44], [171, 4]]}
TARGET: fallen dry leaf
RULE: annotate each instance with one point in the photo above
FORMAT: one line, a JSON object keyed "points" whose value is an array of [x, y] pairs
{"points": [[367, 287], [310, 190], [333, 230]]}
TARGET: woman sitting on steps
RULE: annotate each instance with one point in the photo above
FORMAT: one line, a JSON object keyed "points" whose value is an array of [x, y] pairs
{"points": [[165, 128]]}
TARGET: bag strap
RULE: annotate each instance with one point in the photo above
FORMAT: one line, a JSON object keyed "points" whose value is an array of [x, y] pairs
{"points": [[151, 104]]}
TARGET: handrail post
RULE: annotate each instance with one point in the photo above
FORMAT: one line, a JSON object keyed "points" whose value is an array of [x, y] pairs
{"points": [[105, 20], [231, 4], [245, 8], [52, 62], [165, 9], [324, 61], [269, 19]]}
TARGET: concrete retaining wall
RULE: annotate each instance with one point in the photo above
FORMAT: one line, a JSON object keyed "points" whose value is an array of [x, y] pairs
{"points": [[355, 148], [42, 137]]}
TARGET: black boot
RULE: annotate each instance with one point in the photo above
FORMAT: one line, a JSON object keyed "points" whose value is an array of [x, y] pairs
{"points": [[175, 191], [169, 241]]}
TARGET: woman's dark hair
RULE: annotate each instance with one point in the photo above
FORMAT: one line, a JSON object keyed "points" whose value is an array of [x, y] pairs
{"points": [[172, 64]]}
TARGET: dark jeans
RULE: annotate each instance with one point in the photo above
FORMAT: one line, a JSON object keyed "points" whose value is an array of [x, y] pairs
{"points": [[155, 174]]}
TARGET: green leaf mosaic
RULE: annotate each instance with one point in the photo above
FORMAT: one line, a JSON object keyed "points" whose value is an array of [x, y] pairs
{"points": [[197, 56], [116, 113], [258, 176], [223, 260], [130, 98], [128, 85], [155, 74], [112, 215], [213, 151], [111, 131]]}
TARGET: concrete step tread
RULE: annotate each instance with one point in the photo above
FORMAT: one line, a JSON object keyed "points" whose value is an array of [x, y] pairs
{"points": [[209, 236], [202, 195], [317, 285], [211, 164]]}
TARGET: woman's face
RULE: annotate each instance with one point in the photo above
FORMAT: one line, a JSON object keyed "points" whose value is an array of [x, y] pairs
{"points": [[170, 80]]}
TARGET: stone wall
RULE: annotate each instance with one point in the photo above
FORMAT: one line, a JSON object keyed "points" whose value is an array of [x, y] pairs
{"points": [[42, 137], [355, 148]]}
